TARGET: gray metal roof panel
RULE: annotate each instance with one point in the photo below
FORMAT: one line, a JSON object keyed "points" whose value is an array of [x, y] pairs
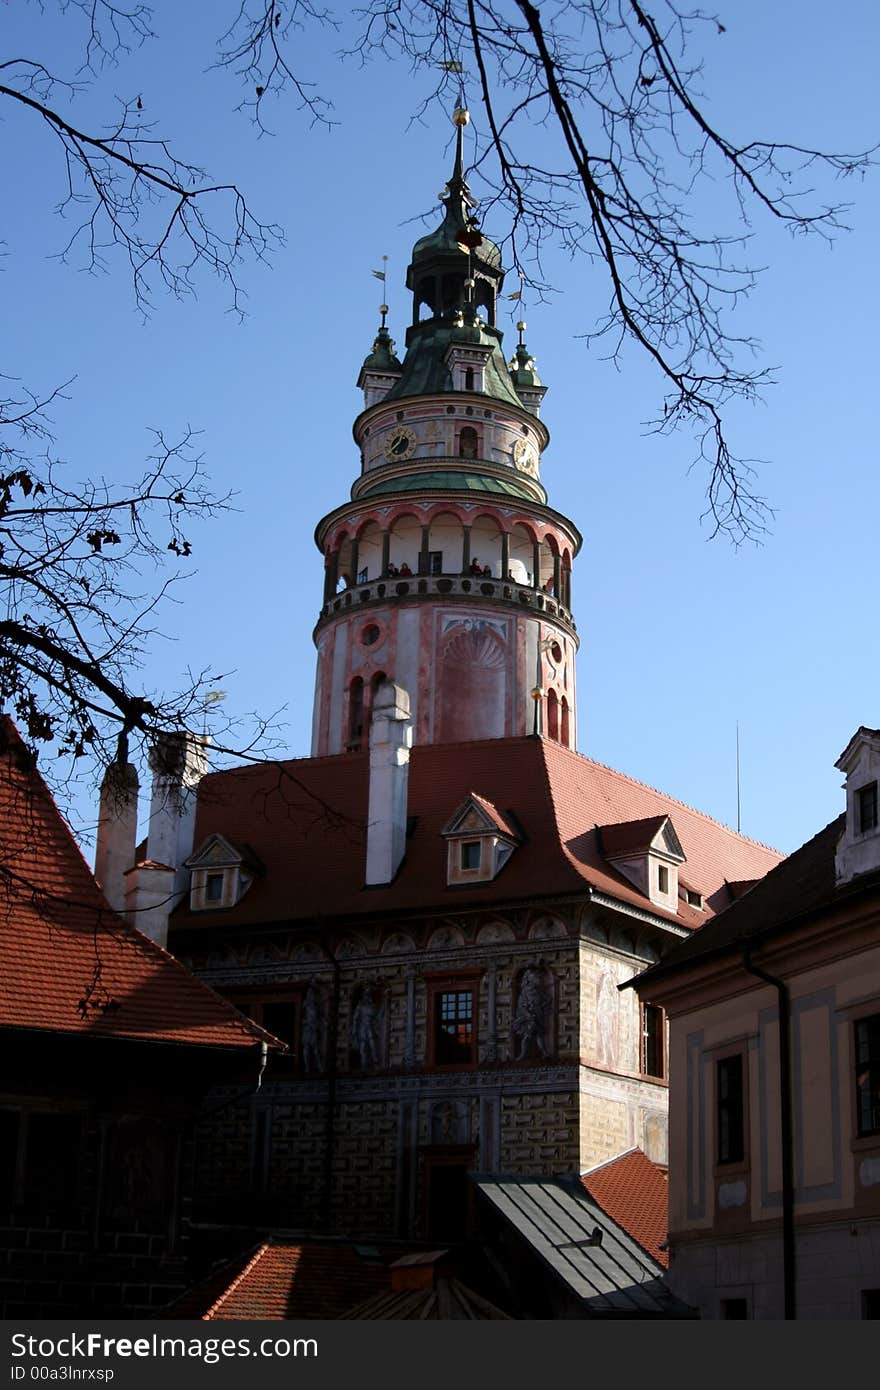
{"points": [[556, 1216]]}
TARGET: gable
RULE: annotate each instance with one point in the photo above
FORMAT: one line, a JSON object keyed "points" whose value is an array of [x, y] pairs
{"points": [[215, 853]]}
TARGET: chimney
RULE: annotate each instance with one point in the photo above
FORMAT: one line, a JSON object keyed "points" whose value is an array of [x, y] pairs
{"points": [[390, 742], [153, 887], [117, 830], [179, 762]]}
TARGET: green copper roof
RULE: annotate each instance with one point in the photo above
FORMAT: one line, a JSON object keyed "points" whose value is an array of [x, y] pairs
{"points": [[425, 372], [451, 482], [522, 368], [382, 357]]}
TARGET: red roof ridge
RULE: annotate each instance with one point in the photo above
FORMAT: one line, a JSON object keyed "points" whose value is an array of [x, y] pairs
{"points": [[606, 1162], [148, 947], [657, 791], [258, 1254]]}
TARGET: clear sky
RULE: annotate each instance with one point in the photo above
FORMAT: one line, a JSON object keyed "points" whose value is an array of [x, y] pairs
{"points": [[680, 637]]}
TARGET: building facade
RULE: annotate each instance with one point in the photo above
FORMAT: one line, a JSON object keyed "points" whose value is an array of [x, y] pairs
{"points": [[774, 1013], [435, 910]]}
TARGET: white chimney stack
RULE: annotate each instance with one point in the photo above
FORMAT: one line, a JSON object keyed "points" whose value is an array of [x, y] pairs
{"points": [[390, 742], [153, 888], [117, 831]]}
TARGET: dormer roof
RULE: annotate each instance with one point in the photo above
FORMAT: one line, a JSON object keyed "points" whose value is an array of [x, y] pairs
{"points": [[476, 815], [863, 735], [651, 834], [216, 852]]}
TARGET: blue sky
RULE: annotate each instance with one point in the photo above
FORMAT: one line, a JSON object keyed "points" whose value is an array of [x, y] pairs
{"points": [[680, 637]]}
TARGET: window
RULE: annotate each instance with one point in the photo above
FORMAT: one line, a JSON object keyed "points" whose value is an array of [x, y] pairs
{"points": [[454, 1027], [653, 1040], [469, 378], [435, 561], [214, 888], [694, 899], [729, 1109], [40, 1161], [735, 1308], [279, 1015], [866, 799], [871, 1303], [867, 1050], [662, 878], [471, 854], [355, 715], [468, 443], [362, 575]]}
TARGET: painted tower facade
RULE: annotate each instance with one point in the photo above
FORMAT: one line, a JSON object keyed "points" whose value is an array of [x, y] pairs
{"points": [[446, 571]]}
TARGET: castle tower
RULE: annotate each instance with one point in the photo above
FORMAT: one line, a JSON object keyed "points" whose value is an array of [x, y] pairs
{"points": [[447, 572]]}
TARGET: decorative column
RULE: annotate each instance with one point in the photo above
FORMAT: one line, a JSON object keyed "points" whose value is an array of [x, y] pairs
{"points": [[466, 550], [505, 554]]}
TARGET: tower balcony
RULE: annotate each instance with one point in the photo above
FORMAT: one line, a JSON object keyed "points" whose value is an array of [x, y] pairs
{"points": [[395, 589]]}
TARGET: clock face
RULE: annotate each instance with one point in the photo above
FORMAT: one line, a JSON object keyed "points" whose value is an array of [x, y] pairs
{"points": [[525, 458], [400, 445]]}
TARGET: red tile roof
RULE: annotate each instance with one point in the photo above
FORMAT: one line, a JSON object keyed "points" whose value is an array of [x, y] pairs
{"points": [[67, 962], [628, 836], [286, 1279], [499, 821], [306, 819], [635, 1193]]}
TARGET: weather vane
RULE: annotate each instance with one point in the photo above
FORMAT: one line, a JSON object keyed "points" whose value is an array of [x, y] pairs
{"points": [[383, 276]]}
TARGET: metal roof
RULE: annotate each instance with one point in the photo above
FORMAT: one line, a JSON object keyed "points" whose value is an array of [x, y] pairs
{"points": [[450, 481], [558, 1219]]}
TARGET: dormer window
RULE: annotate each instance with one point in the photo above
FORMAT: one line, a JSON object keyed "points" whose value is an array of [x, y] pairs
{"points": [[220, 874], [693, 898], [866, 802], [480, 840], [471, 854], [858, 849], [214, 884], [648, 853]]}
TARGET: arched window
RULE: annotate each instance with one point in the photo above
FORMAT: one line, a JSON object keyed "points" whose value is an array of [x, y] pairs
{"points": [[565, 738], [375, 682], [552, 716], [468, 442], [355, 715]]}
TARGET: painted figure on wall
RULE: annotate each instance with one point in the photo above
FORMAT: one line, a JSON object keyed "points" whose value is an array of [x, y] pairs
{"points": [[365, 1029], [313, 1027], [533, 1016], [606, 1019]]}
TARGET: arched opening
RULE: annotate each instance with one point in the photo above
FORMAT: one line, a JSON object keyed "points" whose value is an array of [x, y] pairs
{"points": [[344, 578], [375, 682], [522, 550], [564, 730], [445, 535], [469, 378], [405, 544], [369, 557], [355, 715], [553, 716], [468, 440], [565, 596], [486, 548], [548, 566]]}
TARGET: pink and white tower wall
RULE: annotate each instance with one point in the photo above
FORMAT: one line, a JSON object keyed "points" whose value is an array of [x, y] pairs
{"points": [[447, 572]]}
